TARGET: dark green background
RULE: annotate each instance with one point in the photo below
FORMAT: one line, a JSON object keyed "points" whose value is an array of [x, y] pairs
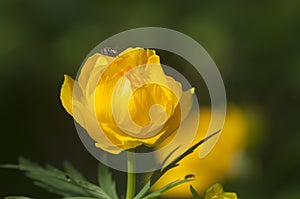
{"points": [[254, 43]]}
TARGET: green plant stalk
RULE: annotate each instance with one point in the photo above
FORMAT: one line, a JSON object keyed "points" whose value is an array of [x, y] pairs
{"points": [[131, 178]]}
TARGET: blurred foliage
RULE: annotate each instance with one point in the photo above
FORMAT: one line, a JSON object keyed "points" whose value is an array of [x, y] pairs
{"points": [[254, 43]]}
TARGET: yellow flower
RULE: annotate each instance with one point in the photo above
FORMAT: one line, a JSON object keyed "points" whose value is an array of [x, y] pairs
{"points": [[113, 95], [220, 163], [216, 192]]}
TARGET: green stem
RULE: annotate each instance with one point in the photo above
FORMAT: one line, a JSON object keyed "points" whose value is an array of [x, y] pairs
{"points": [[131, 178]]}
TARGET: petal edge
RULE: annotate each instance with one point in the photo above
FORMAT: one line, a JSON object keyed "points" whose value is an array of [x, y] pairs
{"points": [[66, 94]]}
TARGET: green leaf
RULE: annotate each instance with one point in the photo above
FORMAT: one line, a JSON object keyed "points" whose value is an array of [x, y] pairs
{"points": [[72, 171], [169, 155], [194, 192], [57, 186], [51, 189], [106, 182], [158, 173], [174, 163], [10, 166], [157, 193], [144, 190], [92, 189], [65, 184], [54, 180]]}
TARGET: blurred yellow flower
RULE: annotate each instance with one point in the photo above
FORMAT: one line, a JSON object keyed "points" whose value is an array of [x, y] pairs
{"points": [[219, 164], [216, 192], [113, 95]]}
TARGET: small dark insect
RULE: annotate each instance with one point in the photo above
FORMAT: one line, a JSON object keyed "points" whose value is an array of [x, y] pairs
{"points": [[68, 178], [108, 51], [189, 176]]}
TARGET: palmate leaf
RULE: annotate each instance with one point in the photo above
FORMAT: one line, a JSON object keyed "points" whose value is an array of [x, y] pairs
{"points": [[106, 182], [158, 173], [93, 190], [50, 189], [157, 193], [67, 184], [72, 171]]}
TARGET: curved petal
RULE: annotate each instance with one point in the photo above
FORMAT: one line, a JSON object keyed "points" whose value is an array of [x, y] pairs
{"points": [[155, 71], [91, 67], [126, 61], [143, 100], [66, 93], [76, 106], [175, 86], [186, 102]]}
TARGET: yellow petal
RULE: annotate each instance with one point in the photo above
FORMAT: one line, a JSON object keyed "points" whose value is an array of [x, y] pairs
{"points": [[145, 97], [174, 86], [186, 102], [125, 62], [155, 72], [91, 67], [88, 120], [66, 94], [139, 55], [181, 112], [76, 106], [120, 103], [110, 149]]}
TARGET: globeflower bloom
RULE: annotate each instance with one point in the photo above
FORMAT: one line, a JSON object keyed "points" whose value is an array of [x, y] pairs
{"points": [[126, 101]]}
